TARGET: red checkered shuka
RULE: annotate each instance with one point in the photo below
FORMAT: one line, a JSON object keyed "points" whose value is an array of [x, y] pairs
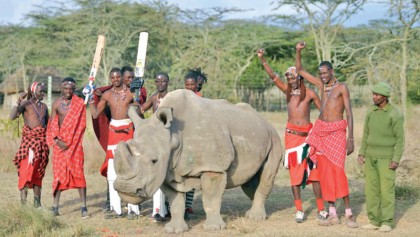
{"points": [[329, 138], [33, 138], [70, 161]]}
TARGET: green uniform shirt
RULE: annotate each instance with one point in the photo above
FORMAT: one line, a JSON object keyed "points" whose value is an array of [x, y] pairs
{"points": [[383, 134]]}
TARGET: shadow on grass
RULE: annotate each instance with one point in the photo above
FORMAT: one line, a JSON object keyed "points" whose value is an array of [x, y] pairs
{"points": [[235, 203], [95, 202]]}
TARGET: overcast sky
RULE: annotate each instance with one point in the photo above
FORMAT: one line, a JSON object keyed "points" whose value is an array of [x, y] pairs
{"points": [[14, 11]]}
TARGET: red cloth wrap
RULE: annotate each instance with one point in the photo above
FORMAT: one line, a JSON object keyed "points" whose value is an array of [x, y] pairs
{"points": [[68, 164], [329, 138], [28, 175], [101, 124], [333, 179], [143, 95], [33, 138], [114, 139], [297, 170]]}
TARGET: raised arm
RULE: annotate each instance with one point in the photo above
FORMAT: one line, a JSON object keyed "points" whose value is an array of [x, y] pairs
{"points": [[19, 107], [96, 110], [298, 64], [274, 77]]}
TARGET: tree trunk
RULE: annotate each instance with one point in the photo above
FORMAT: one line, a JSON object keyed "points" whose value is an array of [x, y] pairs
{"points": [[403, 71]]}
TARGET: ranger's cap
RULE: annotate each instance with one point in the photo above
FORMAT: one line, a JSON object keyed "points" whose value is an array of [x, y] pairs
{"points": [[382, 88]]}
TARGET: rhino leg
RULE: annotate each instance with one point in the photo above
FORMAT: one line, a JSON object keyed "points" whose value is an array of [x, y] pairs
{"points": [[213, 185], [250, 187], [266, 174], [177, 203]]}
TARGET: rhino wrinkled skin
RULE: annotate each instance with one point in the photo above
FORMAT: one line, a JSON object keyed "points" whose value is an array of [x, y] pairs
{"points": [[193, 142]]}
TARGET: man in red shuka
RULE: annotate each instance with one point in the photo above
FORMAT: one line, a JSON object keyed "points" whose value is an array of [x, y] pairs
{"points": [[32, 156], [65, 137]]}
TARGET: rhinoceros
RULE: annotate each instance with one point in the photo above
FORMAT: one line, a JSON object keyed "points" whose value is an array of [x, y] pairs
{"points": [[203, 144]]}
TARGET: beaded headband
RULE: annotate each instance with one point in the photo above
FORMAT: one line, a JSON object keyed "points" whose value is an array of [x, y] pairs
{"points": [[33, 86], [68, 83], [291, 70]]}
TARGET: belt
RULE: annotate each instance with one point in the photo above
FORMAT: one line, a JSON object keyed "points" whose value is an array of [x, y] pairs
{"points": [[298, 133], [125, 130]]}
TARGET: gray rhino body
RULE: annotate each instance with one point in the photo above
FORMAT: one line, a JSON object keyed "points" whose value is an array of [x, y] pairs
{"points": [[193, 142]]}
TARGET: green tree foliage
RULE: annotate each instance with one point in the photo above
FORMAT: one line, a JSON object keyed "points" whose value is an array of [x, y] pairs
{"points": [[64, 38]]}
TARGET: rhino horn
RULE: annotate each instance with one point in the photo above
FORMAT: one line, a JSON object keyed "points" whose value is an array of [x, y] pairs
{"points": [[165, 115], [132, 113]]}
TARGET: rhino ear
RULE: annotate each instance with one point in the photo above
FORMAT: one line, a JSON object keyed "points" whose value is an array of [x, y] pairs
{"points": [[132, 114], [165, 116]]}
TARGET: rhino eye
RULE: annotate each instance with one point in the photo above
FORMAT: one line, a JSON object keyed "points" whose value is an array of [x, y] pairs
{"points": [[154, 161]]}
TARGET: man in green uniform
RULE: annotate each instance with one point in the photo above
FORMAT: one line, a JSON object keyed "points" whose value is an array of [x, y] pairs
{"points": [[381, 151]]}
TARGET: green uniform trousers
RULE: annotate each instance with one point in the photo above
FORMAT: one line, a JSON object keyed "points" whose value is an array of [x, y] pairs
{"points": [[380, 191]]}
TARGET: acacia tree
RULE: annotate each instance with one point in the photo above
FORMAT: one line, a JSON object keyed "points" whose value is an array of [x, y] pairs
{"points": [[387, 51], [322, 18], [72, 32], [408, 14], [17, 50]]}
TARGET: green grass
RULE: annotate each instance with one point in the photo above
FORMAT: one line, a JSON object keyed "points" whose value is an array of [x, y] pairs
{"points": [[18, 220], [406, 192]]}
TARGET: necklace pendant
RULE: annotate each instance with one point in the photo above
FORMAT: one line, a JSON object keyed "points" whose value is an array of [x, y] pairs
{"points": [[65, 105], [295, 92]]}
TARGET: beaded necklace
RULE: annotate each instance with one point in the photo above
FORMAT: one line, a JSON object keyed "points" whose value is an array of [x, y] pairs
{"points": [[330, 85], [119, 94], [65, 105], [327, 90], [39, 113], [295, 92]]}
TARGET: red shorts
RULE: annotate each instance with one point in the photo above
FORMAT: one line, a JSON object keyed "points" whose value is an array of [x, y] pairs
{"points": [[333, 180]]}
